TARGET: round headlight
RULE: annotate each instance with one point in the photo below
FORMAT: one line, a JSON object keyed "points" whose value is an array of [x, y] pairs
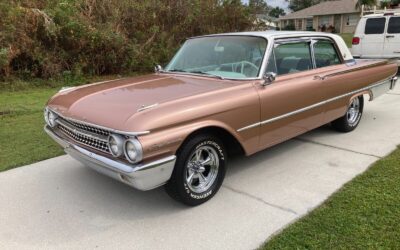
{"points": [[51, 119], [133, 151], [116, 144]]}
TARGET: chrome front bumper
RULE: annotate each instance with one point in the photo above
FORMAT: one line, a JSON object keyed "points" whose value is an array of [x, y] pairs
{"points": [[140, 176]]}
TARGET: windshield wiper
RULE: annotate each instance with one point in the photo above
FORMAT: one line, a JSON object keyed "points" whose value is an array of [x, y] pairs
{"points": [[177, 70], [195, 72], [206, 73]]}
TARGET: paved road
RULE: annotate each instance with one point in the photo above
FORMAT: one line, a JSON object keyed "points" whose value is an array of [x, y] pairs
{"points": [[60, 204]]}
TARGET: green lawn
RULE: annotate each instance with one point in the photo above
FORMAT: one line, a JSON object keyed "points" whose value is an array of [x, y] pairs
{"points": [[348, 38], [22, 139], [364, 214]]}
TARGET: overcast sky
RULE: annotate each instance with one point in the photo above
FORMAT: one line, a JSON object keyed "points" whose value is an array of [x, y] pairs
{"points": [[281, 3]]}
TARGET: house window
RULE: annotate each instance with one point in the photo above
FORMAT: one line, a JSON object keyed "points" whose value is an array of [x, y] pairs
{"points": [[309, 24], [324, 20], [352, 20]]}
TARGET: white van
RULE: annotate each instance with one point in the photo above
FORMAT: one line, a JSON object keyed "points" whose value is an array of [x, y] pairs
{"points": [[378, 36]]}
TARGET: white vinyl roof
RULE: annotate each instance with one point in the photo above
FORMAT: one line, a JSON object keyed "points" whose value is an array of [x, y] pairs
{"points": [[273, 34]]}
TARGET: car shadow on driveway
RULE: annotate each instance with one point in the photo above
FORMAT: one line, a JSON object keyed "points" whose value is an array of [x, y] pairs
{"points": [[124, 200]]}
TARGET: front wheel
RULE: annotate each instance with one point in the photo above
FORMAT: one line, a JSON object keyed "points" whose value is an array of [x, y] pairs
{"points": [[352, 118], [199, 170]]}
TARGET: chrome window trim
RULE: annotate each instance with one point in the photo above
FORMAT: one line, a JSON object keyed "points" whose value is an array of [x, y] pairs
{"points": [[312, 51], [267, 54], [126, 133], [312, 40], [295, 112]]}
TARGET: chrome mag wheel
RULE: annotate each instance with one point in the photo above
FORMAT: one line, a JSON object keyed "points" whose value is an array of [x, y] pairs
{"points": [[202, 169], [353, 113]]}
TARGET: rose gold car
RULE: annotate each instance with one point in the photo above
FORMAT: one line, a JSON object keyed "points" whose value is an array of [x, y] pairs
{"points": [[220, 95]]}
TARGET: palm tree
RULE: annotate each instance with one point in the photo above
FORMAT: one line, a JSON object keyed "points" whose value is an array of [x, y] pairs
{"points": [[369, 3]]}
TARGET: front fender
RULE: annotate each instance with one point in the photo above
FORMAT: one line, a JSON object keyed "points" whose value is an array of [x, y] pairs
{"points": [[168, 141]]}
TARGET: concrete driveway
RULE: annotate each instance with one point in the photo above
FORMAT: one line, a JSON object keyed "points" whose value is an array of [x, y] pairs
{"points": [[58, 203]]}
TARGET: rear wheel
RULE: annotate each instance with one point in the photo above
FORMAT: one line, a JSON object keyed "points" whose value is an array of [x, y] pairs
{"points": [[351, 119], [199, 170]]}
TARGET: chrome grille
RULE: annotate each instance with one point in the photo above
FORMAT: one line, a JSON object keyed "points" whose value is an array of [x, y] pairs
{"points": [[90, 128], [87, 135]]}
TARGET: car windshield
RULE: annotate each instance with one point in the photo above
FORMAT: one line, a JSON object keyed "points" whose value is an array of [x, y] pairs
{"points": [[234, 57]]}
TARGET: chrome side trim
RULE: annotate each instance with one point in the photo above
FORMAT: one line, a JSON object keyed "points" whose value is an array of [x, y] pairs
{"points": [[249, 127], [350, 70], [295, 112], [102, 127]]}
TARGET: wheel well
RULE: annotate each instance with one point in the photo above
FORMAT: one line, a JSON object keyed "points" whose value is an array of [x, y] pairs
{"points": [[231, 144]]}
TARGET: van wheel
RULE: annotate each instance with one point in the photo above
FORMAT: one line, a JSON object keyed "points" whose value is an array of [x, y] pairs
{"points": [[351, 119], [199, 170]]}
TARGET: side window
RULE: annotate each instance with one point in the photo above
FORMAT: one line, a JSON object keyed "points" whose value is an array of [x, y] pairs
{"points": [[375, 26], [293, 57], [394, 25], [325, 54]]}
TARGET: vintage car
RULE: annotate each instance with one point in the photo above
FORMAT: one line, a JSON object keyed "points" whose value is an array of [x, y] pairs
{"points": [[219, 96]]}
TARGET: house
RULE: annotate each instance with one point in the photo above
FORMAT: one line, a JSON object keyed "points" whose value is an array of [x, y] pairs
{"points": [[271, 23], [339, 16]]}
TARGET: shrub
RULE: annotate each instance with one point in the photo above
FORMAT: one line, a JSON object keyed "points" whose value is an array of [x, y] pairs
{"points": [[51, 38]]}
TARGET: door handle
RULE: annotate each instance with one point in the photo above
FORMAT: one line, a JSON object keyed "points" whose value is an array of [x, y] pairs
{"points": [[389, 36]]}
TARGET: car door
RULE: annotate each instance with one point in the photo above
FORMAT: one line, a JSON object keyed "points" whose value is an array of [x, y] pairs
{"points": [[372, 41], [286, 103], [392, 38]]}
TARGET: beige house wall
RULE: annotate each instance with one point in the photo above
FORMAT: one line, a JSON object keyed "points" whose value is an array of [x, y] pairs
{"points": [[315, 22], [345, 27], [351, 27]]}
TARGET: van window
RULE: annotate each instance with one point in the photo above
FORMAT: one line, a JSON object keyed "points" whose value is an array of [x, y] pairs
{"points": [[394, 25], [293, 57], [375, 26], [325, 54]]}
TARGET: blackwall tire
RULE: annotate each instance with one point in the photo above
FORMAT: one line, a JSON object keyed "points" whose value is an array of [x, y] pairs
{"points": [[352, 118]]}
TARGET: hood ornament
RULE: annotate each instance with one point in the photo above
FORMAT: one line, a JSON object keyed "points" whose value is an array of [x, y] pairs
{"points": [[145, 107]]}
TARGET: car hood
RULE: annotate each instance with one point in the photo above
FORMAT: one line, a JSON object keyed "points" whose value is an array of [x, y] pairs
{"points": [[113, 103]]}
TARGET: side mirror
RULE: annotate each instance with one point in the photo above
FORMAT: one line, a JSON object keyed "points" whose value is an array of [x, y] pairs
{"points": [[158, 68], [269, 78]]}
